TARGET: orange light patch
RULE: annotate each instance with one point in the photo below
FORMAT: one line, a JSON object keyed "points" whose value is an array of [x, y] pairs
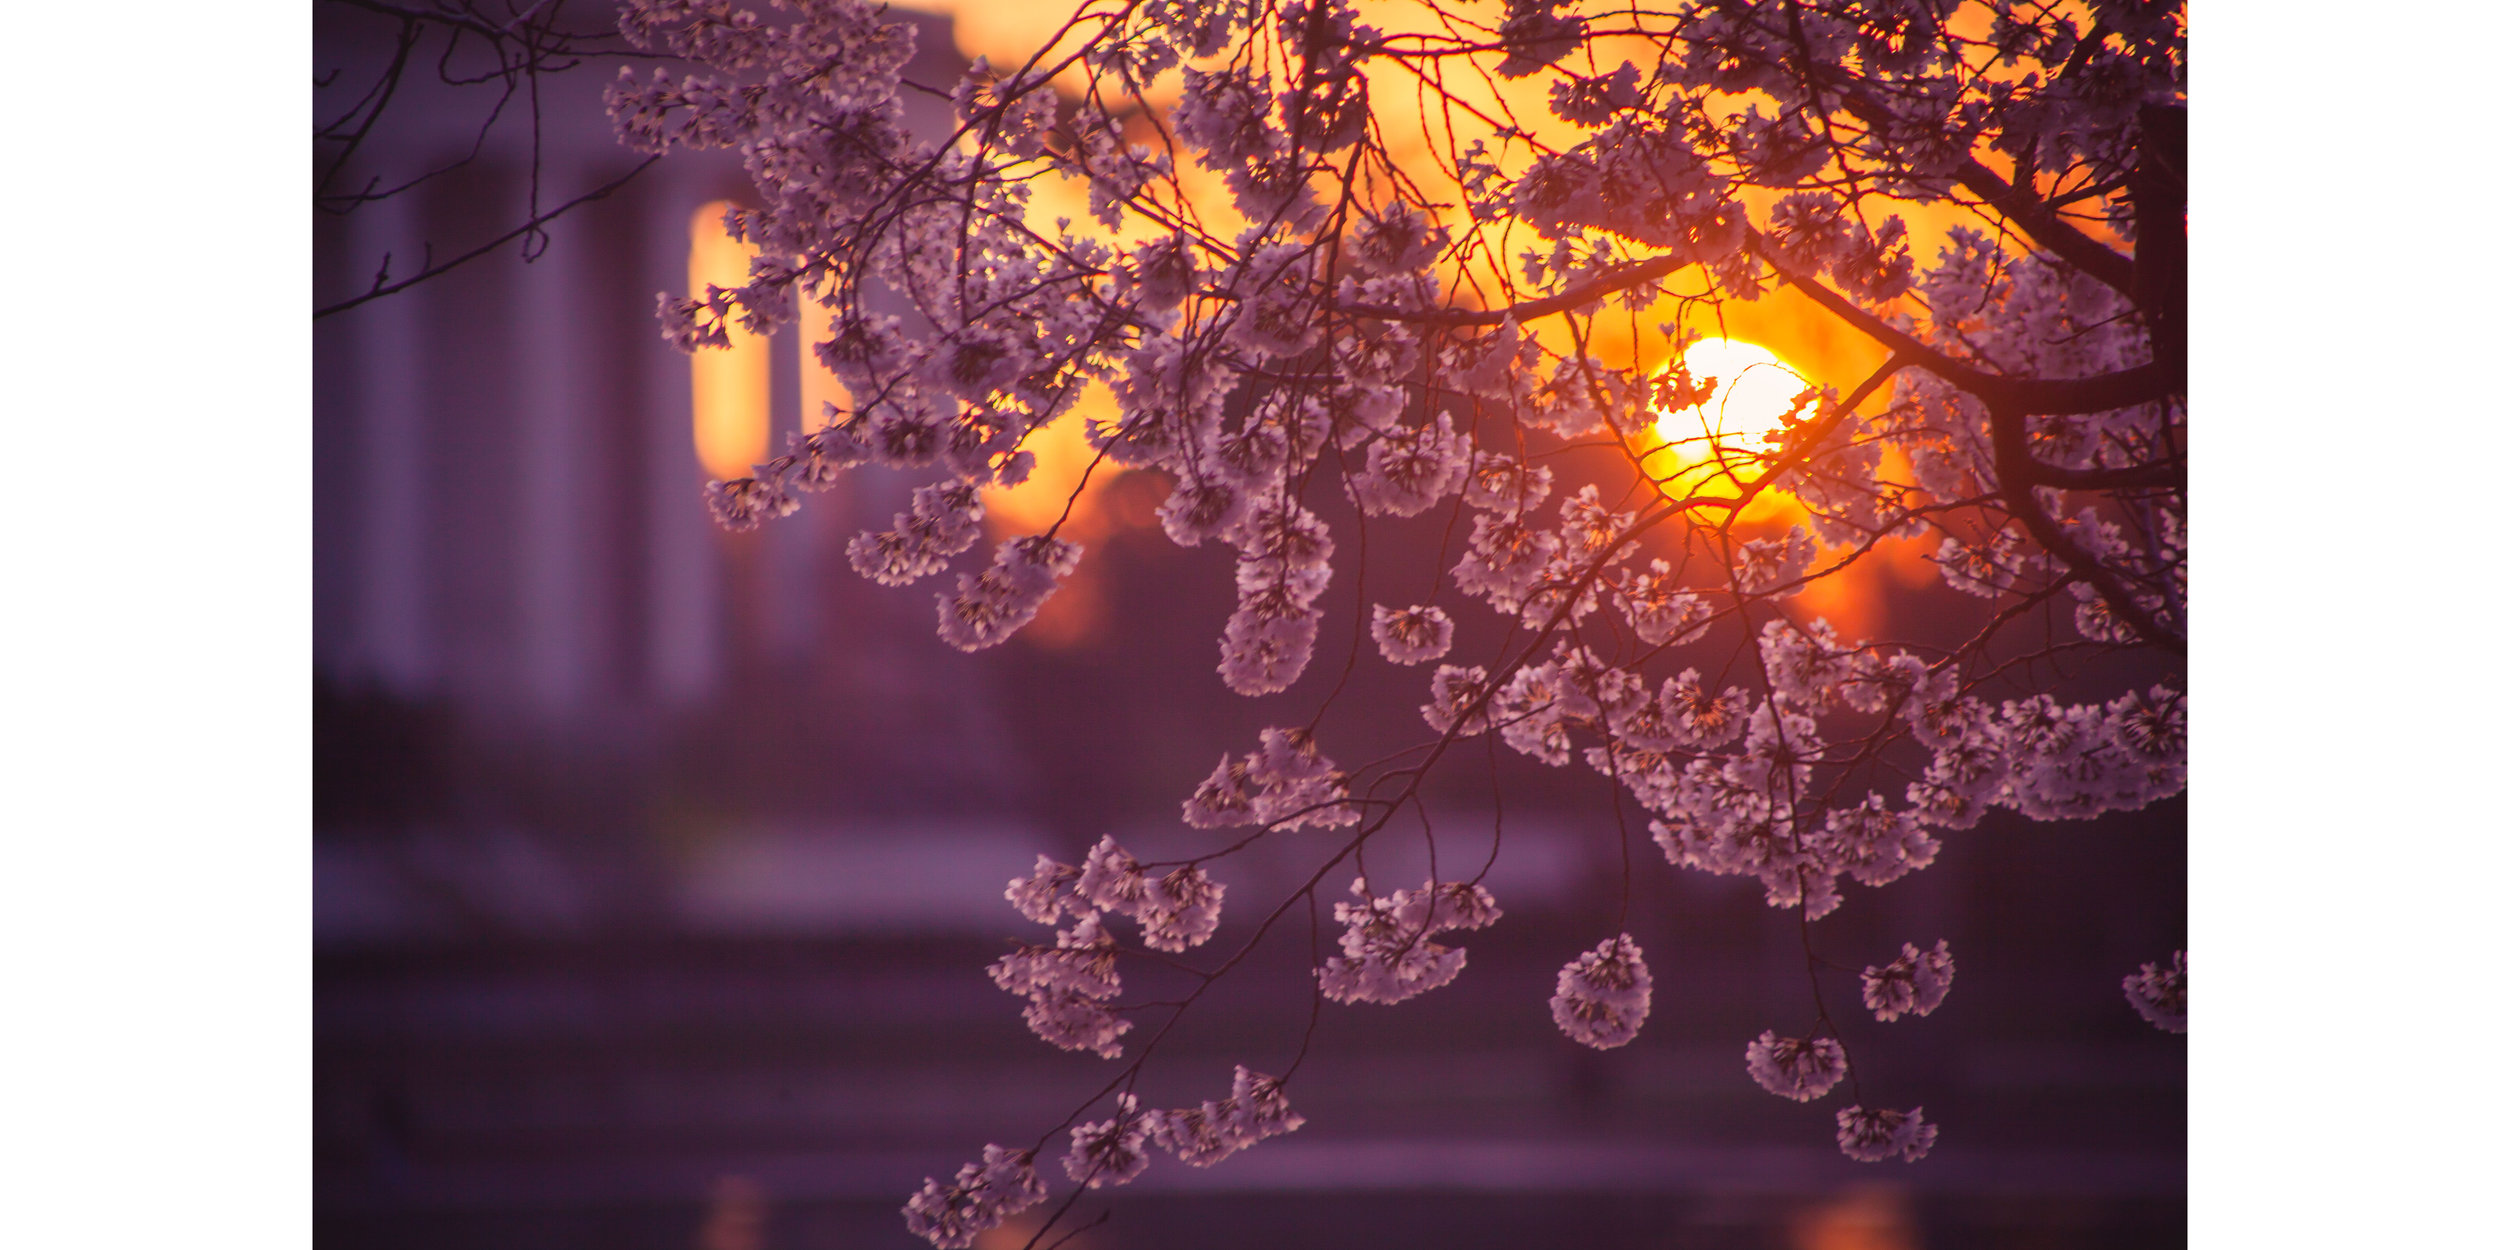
{"points": [[733, 387], [1061, 460]]}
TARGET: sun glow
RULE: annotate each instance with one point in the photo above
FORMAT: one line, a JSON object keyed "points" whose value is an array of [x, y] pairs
{"points": [[1061, 459], [1755, 389]]}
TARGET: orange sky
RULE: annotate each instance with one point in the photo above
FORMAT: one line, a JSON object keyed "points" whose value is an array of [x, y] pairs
{"points": [[1008, 31], [1818, 345]]}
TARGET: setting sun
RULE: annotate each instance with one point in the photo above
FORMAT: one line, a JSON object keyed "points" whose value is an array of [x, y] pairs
{"points": [[1755, 389]]}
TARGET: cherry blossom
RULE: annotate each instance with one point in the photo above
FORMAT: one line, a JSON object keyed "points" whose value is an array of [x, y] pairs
{"points": [[1386, 955], [1068, 988], [1048, 893], [1180, 909], [2160, 994], [1411, 635], [1202, 1136], [1307, 330], [1914, 984], [981, 1198], [1874, 1136], [1602, 997], [1796, 1067], [1108, 1152]]}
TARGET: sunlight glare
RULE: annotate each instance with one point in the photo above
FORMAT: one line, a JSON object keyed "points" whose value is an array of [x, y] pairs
{"points": [[1756, 388]]}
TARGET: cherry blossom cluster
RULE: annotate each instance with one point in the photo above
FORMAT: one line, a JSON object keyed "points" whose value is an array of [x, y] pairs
{"points": [[1874, 1136], [1101, 1154], [2160, 994], [1386, 952], [1112, 1152], [1601, 998], [1301, 334], [1203, 1135], [1069, 986], [1803, 1068], [981, 1198], [1285, 784], [1914, 984]]}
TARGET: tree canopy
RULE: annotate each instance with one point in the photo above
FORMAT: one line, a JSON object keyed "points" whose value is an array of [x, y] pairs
{"points": [[1464, 265]]}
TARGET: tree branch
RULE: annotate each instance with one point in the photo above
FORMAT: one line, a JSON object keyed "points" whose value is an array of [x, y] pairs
{"points": [[2015, 470], [1596, 289], [2028, 396], [381, 288], [2158, 187], [2009, 401], [2044, 227], [2159, 475]]}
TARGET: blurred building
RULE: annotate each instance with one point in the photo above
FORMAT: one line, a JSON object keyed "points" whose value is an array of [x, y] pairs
{"points": [[506, 456], [523, 616]]}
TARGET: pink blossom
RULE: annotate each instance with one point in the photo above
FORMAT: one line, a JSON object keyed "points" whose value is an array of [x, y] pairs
{"points": [[1914, 984], [1602, 997], [2160, 994], [1796, 1067], [1108, 1152], [1204, 1135], [1873, 1136], [1411, 635], [981, 1198]]}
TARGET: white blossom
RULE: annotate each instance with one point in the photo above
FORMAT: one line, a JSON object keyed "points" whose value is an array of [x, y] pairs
{"points": [[1590, 101], [1108, 1152], [1206, 1134], [1914, 984], [1506, 558], [2160, 994], [1659, 612], [747, 502], [1299, 787], [944, 521], [1873, 1136], [1180, 910], [1068, 987], [1876, 844], [1387, 956], [1601, 998], [1266, 644], [1802, 1068], [1111, 879], [981, 1198], [1224, 798], [1459, 699], [1166, 273], [1774, 565], [1048, 893], [1005, 597], [1411, 635], [1499, 482], [1701, 718], [1987, 570], [1408, 469], [1073, 1021], [1200, 508]]}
